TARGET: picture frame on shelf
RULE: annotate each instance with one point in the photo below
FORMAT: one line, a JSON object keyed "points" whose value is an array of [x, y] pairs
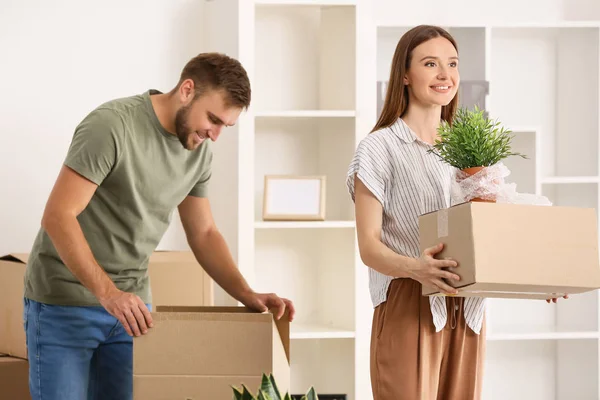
{"points": [[294, 198]]}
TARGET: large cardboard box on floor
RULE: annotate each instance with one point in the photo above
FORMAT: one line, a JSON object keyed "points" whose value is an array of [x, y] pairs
{"points": [[12, 332], [198, 353], [514, 250], [14, 378], [176, 278]]}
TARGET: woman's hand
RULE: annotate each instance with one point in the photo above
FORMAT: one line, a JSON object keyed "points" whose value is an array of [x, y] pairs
{"points": [[430, 271]]}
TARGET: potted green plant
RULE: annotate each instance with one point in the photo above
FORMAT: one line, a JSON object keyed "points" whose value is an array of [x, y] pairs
{"points": [[473, 142], [269, 391]]}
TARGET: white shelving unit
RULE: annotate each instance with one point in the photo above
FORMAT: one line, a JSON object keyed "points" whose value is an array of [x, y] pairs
{"points": [[315, 331], [544, 85], [310, 107], [304, 224], [314, 67], [305, 113]]}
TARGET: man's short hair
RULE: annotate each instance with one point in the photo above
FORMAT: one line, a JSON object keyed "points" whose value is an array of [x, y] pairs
{"points": [[217, 71]]}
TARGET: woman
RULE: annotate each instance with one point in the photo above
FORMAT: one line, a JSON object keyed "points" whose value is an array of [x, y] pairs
{"points": [[421, 347]]}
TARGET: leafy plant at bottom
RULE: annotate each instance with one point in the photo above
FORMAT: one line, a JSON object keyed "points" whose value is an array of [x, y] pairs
{"points": [[268, 391]]}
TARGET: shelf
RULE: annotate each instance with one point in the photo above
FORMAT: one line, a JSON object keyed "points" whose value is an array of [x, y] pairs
{"points": [[308, 146], [305, 2], [509, 13], [572, 194], [565, 101], [541, 370], [500, 25], [327, 365], [304, 224], [520, 129], [543, 336], [313, 270], [312, 331], [306, 114], [519, 319], [549, 25], [570, 179], [305, 56]]}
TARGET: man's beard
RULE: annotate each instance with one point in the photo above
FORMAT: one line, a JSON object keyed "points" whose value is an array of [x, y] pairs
{"points": [[181, 128]]}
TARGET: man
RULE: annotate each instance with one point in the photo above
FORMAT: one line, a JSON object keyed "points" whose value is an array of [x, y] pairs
{"points": [[130, 163]]}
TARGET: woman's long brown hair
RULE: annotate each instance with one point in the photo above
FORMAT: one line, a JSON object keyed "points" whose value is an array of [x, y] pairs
{"points": [[396, 98]]}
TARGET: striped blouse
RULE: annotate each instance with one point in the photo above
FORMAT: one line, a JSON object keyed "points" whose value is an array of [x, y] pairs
{"points": [[393, 163]]}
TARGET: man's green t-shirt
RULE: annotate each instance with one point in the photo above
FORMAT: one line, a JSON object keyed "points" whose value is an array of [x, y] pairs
{"points": [[143, 173]]}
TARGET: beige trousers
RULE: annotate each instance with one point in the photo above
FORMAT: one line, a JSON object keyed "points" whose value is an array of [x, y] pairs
{"points": [[410, 361]]}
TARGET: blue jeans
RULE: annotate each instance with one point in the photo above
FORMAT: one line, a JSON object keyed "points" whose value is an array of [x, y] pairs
{"points": [[77, 353]]}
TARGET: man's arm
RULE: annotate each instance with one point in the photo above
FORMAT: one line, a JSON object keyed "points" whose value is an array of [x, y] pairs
{"points": [[69, 197], [211, 251]]}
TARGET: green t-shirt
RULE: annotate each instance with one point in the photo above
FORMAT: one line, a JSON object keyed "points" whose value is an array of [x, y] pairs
{"points": [[143, 173]]}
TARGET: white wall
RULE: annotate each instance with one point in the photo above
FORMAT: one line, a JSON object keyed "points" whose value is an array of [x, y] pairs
{"points": [[59, 60], [62, 60]]}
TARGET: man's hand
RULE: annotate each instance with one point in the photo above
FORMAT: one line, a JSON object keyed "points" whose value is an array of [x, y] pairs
{"points": [[130, 310], [268, 301], [554, 299], [212, 253]]}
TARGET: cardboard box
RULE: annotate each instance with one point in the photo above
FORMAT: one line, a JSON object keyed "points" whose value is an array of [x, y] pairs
{"points": [[12, 332], [516, 251], [176, 278], [198, 353], [14, 378]]}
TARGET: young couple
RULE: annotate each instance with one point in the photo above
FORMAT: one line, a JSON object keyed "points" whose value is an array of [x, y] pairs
{"points": [[133, 160]]}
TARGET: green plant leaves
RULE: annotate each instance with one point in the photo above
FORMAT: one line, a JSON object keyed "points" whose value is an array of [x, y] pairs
{"points": [[246, 395], [263, 396], [268, 391], [269, 386], [237, 394], [311, 395], [472, 140]]}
